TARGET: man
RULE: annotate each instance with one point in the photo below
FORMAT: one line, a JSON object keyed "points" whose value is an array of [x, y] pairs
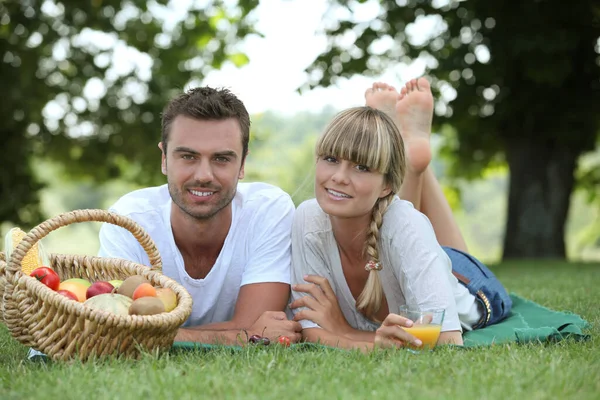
{"points": [[227, 243]]}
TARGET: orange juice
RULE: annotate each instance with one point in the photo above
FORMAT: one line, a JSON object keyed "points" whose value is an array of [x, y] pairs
{"points": [[428, 334]]}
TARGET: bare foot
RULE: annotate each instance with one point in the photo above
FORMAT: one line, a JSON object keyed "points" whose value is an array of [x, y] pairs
{"points": [[383, 97], [414, 113]]}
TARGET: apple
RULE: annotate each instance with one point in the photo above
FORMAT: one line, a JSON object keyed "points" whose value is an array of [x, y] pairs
{"points": [[100, 287], [68, 294], [168, 297]]}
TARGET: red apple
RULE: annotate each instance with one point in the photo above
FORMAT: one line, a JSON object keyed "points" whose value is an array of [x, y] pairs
{"points": [[68, 294], [97, 288]]}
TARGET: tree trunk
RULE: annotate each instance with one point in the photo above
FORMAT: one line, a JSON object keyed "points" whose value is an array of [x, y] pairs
{"points": [[541, 182]]}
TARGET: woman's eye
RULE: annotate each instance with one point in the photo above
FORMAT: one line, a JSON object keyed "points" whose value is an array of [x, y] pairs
{"points": [[362, 168], [330, 159]]}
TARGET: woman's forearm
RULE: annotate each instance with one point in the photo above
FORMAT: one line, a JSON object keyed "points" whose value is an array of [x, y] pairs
{"points": [[322, 336], [360, 336], [451, 337]]}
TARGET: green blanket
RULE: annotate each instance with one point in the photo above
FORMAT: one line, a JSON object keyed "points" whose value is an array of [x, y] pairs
{"points": [[528, 322]]}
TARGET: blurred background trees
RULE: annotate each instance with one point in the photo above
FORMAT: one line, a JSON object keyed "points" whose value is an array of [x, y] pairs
{"points": [[65, 99], [517, 86]]}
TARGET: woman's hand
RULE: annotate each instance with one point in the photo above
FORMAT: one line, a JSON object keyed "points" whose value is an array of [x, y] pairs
{"points": [[322, 306], [391, 334]]}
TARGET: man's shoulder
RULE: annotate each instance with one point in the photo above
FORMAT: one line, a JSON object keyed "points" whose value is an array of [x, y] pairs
{"points": [[141, 201]]}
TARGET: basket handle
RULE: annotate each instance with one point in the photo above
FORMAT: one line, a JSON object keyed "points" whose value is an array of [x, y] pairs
{"points": [[43, 229]]}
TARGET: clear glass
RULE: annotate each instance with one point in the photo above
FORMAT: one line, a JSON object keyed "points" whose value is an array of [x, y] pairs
{"points": [[427, 324]]}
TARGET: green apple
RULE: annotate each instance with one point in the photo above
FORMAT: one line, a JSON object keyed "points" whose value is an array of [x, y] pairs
{"points": [[79, 281], [116, 283]]}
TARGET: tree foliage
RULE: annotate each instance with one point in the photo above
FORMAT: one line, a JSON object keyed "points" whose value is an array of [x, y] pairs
{"points": [[84, 83], [518, 82]]}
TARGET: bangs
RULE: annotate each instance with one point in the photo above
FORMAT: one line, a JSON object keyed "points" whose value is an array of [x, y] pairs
{"points": [[358, 135]]}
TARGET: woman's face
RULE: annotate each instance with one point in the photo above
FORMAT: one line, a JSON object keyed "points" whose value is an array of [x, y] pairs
{"points": [[347, 190]]}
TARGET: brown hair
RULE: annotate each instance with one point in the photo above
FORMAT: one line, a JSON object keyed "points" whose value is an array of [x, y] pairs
{"points": [[369, 137], [205, 103]]}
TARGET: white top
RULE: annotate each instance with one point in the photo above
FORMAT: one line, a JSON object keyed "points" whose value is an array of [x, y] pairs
{"points": [[256, 249], [416, 270]]}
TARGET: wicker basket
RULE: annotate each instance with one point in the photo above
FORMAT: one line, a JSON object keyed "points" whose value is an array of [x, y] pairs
{"points": [[64, 329]]}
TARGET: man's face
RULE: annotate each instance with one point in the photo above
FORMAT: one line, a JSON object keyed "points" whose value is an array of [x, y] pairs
{"points": [[203, 164]]}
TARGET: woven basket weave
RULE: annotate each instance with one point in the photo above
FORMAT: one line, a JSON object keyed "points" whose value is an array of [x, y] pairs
{"points": [[65, 329]]}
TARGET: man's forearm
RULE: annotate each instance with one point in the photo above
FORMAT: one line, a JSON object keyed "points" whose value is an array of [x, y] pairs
{"points": [[216, 333], [212, 336]]}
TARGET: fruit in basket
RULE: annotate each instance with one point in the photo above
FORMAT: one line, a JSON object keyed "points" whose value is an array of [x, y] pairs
{"points": [[130, 284], [99, 287], [77, 288], [116, 283], [68, 294], [47, 276], [144, 290], [36, 256], [146, 306], [79, 281], [168, 297], [110, 302]]}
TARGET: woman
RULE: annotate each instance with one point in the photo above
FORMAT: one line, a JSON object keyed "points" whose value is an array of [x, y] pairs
{"points": [[359, 252]]}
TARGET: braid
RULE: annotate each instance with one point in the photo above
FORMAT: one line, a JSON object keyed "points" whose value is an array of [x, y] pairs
{"points": [[370, 299]]}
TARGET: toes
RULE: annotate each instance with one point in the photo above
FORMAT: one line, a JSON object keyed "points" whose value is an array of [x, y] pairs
{"points": [[413, 84], [423, 84], [379, 86]]}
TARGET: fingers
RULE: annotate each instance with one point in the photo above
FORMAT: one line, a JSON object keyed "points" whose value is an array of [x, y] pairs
{"points": [[305, 314], [291, 329], [397, 334], [323, 283], [395, 319], [315, 291], [384, 342], [305, 301]]}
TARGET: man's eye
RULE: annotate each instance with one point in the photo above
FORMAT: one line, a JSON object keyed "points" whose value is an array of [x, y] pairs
{"points": [[222, 159], [187, 157]]}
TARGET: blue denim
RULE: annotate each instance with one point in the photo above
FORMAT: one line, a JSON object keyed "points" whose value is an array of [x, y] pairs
{"points": [[483, 284]]}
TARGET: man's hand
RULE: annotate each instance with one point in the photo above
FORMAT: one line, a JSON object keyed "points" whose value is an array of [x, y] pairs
{"points": [[322, 306], [273, 324]]}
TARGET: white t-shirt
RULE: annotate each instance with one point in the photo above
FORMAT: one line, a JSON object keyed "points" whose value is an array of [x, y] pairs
{"points": [[256, 249], [416, 270]]}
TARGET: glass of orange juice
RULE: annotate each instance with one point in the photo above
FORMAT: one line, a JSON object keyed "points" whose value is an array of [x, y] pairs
{"points": [[427, 324]]}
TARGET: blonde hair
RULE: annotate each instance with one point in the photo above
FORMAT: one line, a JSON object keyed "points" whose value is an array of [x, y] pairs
{"points": [[368, 137]]}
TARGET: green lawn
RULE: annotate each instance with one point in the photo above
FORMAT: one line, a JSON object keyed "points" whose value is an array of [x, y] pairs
{"points": [[566, 369]]}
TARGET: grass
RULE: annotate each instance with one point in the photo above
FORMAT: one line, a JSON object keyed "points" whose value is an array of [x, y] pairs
{"points": [[567, 369]]}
